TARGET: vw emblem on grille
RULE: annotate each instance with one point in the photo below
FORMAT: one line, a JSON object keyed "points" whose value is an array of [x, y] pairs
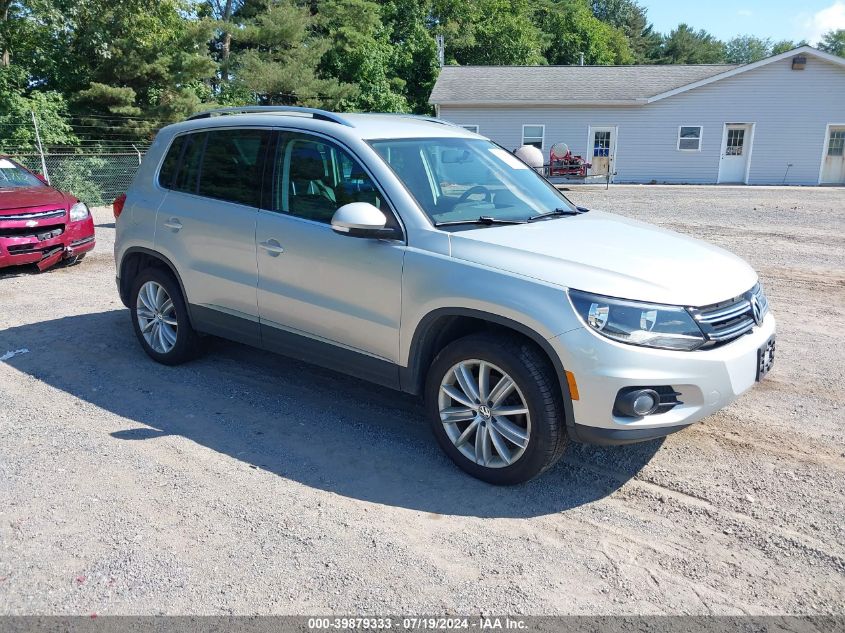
{"points": [[756, 311]]}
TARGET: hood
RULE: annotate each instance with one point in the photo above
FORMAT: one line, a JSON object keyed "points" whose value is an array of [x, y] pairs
{"points": [[610, 255], [16, 199]]}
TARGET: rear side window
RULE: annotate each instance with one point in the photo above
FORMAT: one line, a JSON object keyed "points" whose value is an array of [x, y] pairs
{"points": [[232, 165]]}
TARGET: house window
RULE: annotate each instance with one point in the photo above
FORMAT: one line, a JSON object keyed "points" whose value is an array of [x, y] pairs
{"points": [[689, 138], [533, 135], [734, 143], [836, 145], [471, 128]]}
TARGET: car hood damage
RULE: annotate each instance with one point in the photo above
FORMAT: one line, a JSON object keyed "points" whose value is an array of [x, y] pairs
{"points": [[17, 199], [610, 255]]}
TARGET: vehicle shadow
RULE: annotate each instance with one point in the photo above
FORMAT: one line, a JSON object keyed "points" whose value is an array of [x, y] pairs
{"points": [[307, 424]]}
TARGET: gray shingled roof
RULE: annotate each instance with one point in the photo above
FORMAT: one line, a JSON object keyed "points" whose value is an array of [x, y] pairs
{"points": [[551, 84]]}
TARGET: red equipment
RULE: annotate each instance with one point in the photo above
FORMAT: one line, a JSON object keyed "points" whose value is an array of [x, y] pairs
{"points": [[563, 163]]}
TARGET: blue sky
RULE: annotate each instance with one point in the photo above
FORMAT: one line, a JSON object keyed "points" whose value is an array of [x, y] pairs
{"points": [[778, 19]]}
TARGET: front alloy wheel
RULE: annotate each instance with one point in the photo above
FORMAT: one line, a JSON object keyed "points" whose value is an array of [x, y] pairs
{"points": [[156, 316], [484, 413], [495, 406]]}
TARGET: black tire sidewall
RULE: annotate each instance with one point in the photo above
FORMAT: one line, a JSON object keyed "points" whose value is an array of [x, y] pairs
{"points": [[544, 438], [184, 349]]}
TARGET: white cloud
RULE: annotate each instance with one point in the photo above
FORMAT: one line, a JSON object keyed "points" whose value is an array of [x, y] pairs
{"points": [[829, 19]]}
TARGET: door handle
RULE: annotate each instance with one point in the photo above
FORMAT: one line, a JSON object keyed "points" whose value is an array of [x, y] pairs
{"points": [[173, 224], [272, 247]]}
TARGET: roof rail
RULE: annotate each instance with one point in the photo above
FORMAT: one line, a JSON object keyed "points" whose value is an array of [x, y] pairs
{"points": [[421, 117], [322, 115]]}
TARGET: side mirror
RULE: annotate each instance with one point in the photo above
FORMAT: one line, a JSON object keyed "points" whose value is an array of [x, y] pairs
{"points": [[361, 219]]}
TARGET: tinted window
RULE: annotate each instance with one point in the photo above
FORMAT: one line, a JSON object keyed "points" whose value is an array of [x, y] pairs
{"points": [[189, 168], [171, 163], [316, 177], [231, 166]]}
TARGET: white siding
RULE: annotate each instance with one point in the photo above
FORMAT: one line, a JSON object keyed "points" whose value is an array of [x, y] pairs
{"points": [[791, 110]]}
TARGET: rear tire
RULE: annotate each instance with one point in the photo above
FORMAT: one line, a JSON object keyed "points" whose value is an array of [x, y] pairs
{"points": [[507, 434], [160, 318]]}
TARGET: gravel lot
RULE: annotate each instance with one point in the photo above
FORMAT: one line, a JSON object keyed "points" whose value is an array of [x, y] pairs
{"points": [[246, 483]]}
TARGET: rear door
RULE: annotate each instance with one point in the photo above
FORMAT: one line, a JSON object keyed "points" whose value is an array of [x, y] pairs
{"points": [[330, 288], [206, 226]]}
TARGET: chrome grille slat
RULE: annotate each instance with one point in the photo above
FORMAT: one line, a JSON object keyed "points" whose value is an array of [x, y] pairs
{"points": [[727, 320], [37, 215]]}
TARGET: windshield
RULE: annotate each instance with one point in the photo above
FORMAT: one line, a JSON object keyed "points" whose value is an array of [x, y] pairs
{"points": [[455, 179], [14, 177]]}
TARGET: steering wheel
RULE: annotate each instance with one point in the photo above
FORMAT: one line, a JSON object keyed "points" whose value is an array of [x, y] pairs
{"points": [[488, 195]]}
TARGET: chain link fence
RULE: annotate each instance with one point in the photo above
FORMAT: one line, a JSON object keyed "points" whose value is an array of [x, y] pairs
{"points": [[94, 177]]}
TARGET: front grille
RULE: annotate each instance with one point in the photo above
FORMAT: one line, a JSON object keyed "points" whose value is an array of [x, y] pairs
{"points": [[728, 320], [36, 215], [40, 232]]}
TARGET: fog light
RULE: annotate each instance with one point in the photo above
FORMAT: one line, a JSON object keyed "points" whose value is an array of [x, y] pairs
{"points": [[637, 403]]}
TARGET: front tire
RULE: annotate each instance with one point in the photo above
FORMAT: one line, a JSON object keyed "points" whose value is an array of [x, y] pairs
{"points": [[160, 318], [495, 408]]}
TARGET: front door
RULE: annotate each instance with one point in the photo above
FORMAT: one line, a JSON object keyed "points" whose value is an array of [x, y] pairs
{"points": [[313, 282], [833, 167], [736, 146], [603, 144]]}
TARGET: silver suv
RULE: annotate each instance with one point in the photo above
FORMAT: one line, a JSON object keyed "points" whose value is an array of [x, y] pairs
{"points": [[423, 257]]}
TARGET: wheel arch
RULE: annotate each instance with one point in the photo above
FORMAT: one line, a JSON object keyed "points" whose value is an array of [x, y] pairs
{"points": [[440, 327], [136, 259]]}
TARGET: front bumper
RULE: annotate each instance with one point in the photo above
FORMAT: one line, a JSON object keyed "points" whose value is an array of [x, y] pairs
{"points": [[706, 380], [75, 238]]}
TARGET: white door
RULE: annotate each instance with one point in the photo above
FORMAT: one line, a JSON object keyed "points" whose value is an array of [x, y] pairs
{"points": [[833, 165], [736, 148], [602, 143]]}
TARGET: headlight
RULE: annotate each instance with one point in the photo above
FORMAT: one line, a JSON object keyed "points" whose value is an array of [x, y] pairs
{"points": [[646, 324], [78, 212]]}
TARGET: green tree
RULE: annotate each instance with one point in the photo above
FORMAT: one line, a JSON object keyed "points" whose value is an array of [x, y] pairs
{"points": [[570, 28], [684, 45], [744, 49], [833, 42], [360, 54], [276, 56], [489, 32], [414, 63], [17, 105]]}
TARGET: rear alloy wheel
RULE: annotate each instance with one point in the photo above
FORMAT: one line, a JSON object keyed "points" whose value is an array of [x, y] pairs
{"points": [[160, 318], [495, 407], [156, 316]]}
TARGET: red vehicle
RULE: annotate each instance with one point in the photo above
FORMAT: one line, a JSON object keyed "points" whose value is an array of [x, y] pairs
{"points": [[38, 224]]}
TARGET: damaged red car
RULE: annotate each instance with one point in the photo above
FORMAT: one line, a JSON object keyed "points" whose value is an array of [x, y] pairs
{"points": [[38, 224]]}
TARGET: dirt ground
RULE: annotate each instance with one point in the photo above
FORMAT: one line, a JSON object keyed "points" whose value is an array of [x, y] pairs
{"points": [[247, 483]]}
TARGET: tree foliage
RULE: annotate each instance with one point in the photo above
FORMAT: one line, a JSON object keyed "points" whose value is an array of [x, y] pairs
{"points": [[833, 42]]}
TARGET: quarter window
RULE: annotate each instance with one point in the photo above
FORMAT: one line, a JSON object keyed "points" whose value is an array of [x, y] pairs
{"points": [[689, 137], [171, 163], [317, 178], [189, 167], [533, 135], [231, 166], [471, 128]]}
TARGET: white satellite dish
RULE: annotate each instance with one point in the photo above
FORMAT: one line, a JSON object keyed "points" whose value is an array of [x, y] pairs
{"points": [[530, 155]]}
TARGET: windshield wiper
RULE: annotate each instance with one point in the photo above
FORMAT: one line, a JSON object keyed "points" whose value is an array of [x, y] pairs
{"points": [[556, 212], [484, 220]]}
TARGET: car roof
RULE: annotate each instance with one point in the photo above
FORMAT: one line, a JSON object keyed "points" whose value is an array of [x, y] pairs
{"points": [[346, 125]]}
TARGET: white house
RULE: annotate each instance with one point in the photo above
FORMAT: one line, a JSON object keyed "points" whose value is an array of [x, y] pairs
{"points": [[777, 121]]}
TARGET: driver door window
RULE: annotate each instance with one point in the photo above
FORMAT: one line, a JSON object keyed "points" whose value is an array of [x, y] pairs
{"points": [[317, 177]]}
